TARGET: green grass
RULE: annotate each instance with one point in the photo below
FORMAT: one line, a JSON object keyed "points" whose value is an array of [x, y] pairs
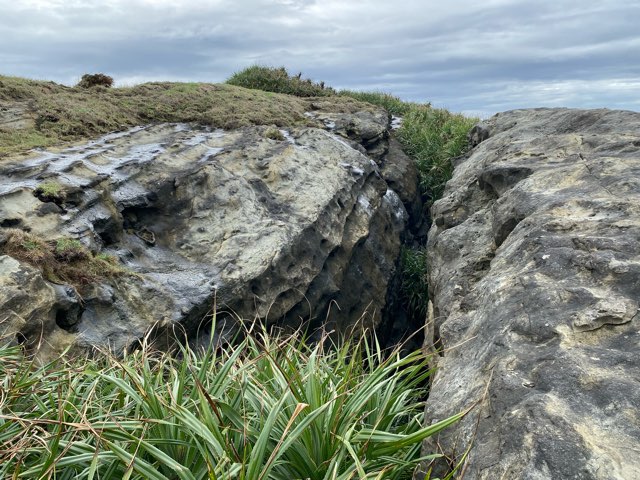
{"points": [[267, 408], [432, 137], [391, 103], [271, 79], [413, 289]]}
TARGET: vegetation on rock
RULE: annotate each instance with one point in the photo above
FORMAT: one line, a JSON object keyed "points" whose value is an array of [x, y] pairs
{"points": [[63, 260], [270, 407], [50, 191]]}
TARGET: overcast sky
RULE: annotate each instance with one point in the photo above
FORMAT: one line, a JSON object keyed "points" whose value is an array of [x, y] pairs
{"points": [[477, 57]]}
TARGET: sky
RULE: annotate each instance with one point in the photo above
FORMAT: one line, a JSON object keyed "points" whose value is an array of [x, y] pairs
{"points": [[475, 57]]}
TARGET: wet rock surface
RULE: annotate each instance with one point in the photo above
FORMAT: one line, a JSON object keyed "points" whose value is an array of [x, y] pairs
{"points": [[301, 228], [535, 282]]}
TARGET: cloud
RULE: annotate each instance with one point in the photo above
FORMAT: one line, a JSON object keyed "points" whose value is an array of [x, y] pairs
{"points": [[466, 55]]}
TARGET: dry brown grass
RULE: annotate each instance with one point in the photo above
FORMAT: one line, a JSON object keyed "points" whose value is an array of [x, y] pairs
{"points": [[50, 114], [62, 260]]}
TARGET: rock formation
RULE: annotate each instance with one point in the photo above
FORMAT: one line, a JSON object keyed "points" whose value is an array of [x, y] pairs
{"points": [[288, 226], [535, 286]]}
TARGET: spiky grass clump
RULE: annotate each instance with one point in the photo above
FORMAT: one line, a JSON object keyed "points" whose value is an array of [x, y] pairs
{"points": [[414, 290], [278, 80], [432, 137], [268, 408]]}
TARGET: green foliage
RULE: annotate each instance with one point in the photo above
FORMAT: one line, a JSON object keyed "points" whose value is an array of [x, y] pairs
{"points": [[268, 408], [414, 291], [271, 79], [390, 103], [432, 137], [63, 260], [50, 191]]}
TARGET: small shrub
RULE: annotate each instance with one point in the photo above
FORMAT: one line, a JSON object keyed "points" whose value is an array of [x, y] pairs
{"points": [[70, 250], [95, 80], [278, 80]]}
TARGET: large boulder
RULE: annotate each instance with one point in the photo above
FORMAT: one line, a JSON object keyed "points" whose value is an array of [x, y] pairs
{"points": [[288, 226], [534, 275]]}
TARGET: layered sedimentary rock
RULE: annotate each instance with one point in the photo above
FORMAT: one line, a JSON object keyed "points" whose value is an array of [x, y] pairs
{"points": [[535, 283], [288, 226]]}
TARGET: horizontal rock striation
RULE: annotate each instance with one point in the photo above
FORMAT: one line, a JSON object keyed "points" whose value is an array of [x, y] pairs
{"points": [[535, 282], [288, 226]]}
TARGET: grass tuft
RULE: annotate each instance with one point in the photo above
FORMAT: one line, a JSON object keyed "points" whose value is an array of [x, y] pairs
{"points": [[63, 260], [50, 191], [268, 408], [271, 79]]}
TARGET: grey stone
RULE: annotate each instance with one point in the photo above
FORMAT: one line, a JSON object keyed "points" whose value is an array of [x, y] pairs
{"points": [[300, 229], [534, 274]]}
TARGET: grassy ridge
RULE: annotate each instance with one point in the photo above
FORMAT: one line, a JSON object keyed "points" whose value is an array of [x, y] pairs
{"points": [[51, 114], [268, 408]]}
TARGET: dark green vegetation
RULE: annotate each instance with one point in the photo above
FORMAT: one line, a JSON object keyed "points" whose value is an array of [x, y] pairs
{"points": [[266, 408], [278, 80], [95, 80], [44, 114]]}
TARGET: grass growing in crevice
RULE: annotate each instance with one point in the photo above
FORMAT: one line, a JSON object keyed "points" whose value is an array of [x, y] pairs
{"points": [[63, 260], [267, 408], [432, 137], [413, 288]]}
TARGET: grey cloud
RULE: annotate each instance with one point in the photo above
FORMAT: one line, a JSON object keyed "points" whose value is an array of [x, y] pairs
{"points": [[469, 56]]}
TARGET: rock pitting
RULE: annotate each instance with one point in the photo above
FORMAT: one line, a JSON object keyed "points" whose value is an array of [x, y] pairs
{"points": [[535, 282], [254, 226]]}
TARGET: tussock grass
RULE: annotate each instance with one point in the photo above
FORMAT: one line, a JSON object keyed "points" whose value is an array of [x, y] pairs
{"points": [[271, 79], [432, 137], [267, 408]]}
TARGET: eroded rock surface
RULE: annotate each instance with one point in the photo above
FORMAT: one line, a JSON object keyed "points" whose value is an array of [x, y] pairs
{"points": [[301, 228], [535, 281]]}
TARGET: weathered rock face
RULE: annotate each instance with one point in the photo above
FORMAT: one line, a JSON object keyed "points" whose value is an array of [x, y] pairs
{"points": [[535, 282], [292, 230]]}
